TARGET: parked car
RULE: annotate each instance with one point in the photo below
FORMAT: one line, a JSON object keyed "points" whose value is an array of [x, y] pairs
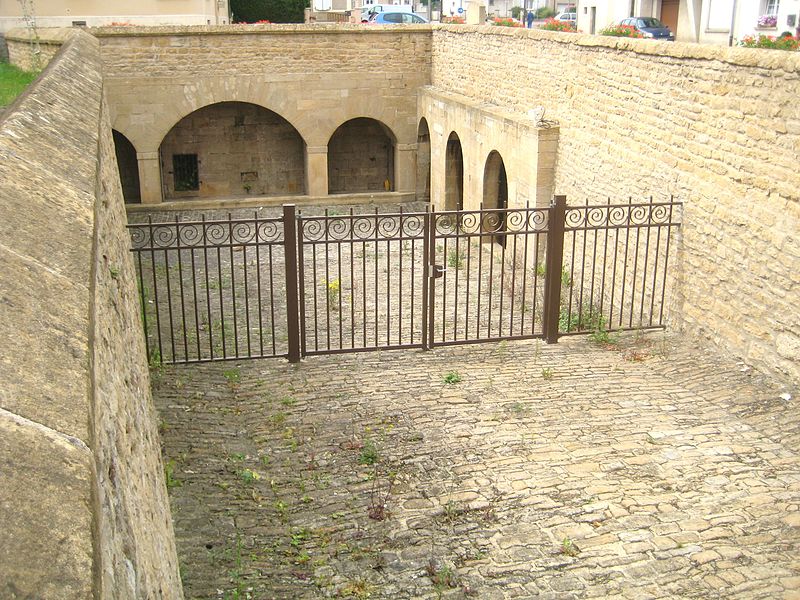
{"points": [[394, 18], [650, 27], [567, 17], [368, 11]]}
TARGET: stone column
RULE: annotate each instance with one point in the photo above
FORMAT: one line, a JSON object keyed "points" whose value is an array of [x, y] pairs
{"points": [[149, 177], [405, 168], [317, 170]]}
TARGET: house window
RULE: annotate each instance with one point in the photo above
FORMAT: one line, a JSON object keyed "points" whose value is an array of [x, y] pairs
{"points": [[771, 7], [185, 174]]}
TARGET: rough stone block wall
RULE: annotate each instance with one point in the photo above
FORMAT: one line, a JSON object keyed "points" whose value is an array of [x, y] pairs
{"points": [[237, 145], [31, 53], [360, 158], [82, 497], [315, 77], [718, 128]]}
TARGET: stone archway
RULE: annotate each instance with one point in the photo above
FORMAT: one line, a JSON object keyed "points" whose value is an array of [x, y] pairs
{"points": [[495, 196], [361, 157], [454, 174], [423, 162], [128, 167], [232, 149]]}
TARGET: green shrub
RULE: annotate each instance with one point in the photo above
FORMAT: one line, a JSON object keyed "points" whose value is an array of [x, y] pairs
{"points": [[545, 13], [275, 11]]}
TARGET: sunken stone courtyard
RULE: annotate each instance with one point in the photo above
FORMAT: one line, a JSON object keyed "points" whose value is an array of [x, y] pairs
{"points": [[645, 470], [437, 311]]}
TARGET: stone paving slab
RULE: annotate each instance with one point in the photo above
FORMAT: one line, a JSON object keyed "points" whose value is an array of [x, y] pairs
{"points": [[644, 470]]}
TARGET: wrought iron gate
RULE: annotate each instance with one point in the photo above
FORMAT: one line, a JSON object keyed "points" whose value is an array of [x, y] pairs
{"points": [[302, 285]]}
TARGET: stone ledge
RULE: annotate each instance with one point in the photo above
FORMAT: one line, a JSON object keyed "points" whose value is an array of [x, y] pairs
{"points": [[746, 57]]}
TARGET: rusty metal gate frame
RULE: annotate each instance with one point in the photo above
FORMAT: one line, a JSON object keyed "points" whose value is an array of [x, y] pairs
{"points": [[354, 265]]}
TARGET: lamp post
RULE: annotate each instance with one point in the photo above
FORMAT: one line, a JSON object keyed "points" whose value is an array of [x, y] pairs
{"points": [[733, 23]]}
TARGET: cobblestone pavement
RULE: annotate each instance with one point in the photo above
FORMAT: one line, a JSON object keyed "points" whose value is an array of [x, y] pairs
{"points": [[644, 470]]}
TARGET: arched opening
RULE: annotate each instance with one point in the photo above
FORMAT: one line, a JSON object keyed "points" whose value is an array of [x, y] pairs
{"points": [[232, 149], [495, 196], [361, 157], [454, 174], [423, 162], [128, 168]]}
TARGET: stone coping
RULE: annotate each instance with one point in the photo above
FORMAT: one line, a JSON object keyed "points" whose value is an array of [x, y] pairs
{"points": [[746, 57], [274, 201], [490, 109]]}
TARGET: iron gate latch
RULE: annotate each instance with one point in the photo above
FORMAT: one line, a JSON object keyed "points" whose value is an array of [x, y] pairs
{"points": [[437, 271]]}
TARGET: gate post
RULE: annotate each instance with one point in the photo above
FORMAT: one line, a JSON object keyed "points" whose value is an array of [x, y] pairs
{"points": [[552, 277], [290, 261]]}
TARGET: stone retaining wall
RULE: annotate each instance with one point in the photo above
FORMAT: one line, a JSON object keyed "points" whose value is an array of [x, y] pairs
{"points": [[82, 498], [718, 128]]}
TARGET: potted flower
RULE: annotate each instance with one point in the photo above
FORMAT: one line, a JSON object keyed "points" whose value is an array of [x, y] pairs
{"points": [[768, 21]]}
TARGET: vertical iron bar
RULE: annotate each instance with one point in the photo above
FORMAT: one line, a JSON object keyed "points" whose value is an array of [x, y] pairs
{"points": [[635, 269], [315, 285], [375, 278], [169, 306], [208, 291], [413, 277], [666, 261], [430, 259], [655, 275], [480, 272], [524, 270], [585, 234], [233, 290], [327, 289], [221, 302], [535, 290], [290, 259], [426, 225], [352, 284], [513, 284], [552, 278], [143, 298], [301, 285], [455, 284], [491, 286], [613, 278], [341, 289], [180, 289], [591, 288], [364, 290], [625, 261], [388, 289], [445, 262], [503, 236], [646, 258], [273, 330], [605, 257], [246, 301], [468, 242], [400, 284], [574, 235], [258, 289]]}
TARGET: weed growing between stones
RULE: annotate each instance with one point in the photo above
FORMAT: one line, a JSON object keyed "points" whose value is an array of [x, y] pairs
{"points": [[452, 378]]}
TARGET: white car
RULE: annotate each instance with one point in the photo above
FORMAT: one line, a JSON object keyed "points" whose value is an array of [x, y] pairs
{"points": [[567, 17]]}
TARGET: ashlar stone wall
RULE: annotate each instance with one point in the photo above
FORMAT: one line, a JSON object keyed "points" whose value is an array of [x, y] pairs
{"points": [[315, 77], [83, 502], [718, 128]]}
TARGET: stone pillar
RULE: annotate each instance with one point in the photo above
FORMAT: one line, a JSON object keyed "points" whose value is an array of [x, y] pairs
{"points": [[405, 168], [476, 12], [317, 170], [149, 177], [546, 155]]}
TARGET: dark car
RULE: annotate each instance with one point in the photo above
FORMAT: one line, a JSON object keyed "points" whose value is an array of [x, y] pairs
{"points": [[393, 18], [650, 27]]}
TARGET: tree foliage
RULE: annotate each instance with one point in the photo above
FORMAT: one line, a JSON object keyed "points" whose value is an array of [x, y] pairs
{"points": [[274, 11]]}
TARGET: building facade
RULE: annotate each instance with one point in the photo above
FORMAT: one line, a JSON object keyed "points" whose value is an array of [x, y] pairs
{"points": [[706, 21], [92, 13]]}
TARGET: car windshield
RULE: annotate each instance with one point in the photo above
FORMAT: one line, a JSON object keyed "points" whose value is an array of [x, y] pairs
{"points": [[651, 22]]}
